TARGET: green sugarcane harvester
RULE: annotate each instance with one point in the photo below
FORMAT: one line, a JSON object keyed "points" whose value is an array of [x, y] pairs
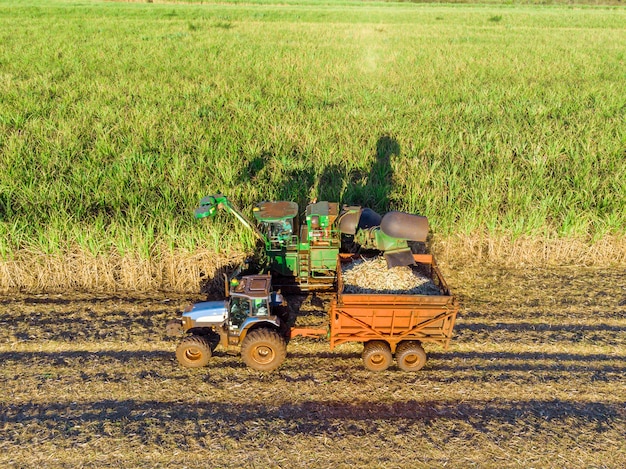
{"points": [[306, 255]]}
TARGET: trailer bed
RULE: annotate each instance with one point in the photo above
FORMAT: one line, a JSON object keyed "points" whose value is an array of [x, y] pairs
{"points": [[393, 318]]}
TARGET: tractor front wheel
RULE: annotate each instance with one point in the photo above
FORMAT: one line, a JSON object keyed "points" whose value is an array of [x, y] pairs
{"points": [[377, 355], [263, 350], [194, 351]]}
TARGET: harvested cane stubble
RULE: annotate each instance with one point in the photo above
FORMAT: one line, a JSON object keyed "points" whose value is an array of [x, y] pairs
{"points": [[373, 276]]}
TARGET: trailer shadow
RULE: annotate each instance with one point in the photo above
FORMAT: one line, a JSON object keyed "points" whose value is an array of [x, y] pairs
{"points": [[550, 366], [346, 365], [523, 327], [532, 332], [311, 418]]}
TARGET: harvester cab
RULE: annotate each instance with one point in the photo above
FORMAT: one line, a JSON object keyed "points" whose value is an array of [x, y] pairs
{"points": [[320, 224], [308, 253], [278, 223]]}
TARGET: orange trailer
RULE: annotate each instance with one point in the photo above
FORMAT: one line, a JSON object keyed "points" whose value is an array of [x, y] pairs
{"points": [[391, 324]]}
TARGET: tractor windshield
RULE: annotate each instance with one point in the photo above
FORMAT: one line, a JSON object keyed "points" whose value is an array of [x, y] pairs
{"points": [[239, 310]]}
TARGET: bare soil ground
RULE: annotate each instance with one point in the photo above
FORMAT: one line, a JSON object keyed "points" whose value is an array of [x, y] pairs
{"points": [[536, 377]]}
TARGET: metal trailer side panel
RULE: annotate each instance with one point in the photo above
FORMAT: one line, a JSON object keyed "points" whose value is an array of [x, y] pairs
{"points": [[391, 323]]}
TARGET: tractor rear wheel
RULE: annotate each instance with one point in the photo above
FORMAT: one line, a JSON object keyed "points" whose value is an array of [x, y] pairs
{"points": [[377, 355], [410, 356], [263, 350], [194, 351]]}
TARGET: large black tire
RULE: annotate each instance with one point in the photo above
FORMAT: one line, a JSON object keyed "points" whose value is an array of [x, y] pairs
{"points": [[410, 356], [263, 349], [194, 351], [377, 355], [213, 338]]}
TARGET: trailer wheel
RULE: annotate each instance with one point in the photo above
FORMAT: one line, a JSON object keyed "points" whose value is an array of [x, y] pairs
{"points": [[194, 351], [377, 355], [263, 350], [410, 356]]}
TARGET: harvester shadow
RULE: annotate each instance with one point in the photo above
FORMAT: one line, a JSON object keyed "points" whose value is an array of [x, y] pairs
{"points": [[294, 184], [299, 308], [335, 183], [355, 187]]}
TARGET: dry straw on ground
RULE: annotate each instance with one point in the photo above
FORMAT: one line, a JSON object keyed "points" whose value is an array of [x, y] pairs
{"points": [[175, 271], [183, 271], [535, 377], [531, 251]]}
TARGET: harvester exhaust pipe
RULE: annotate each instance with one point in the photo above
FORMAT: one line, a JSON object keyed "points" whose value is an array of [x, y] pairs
{"points": [[405, 226]]}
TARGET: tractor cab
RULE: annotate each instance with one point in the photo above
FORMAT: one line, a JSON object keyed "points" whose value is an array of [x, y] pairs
{"points": [[251, 301], [242, 307]]}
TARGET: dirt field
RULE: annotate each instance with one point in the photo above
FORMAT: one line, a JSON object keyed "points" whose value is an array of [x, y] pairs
{"points": [[536, 377]]}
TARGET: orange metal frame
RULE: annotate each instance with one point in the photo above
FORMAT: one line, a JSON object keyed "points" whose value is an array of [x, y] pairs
{"points": [[389, 317], [393, 318]]}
